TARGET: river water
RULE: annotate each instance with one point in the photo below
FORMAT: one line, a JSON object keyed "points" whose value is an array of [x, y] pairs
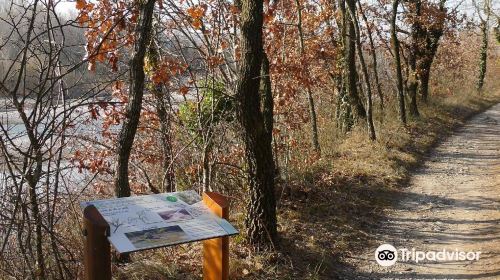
{"points": [[15, 130]]}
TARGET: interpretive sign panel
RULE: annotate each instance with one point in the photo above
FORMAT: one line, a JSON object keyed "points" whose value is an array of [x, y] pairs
{"points": [[159, 220]]}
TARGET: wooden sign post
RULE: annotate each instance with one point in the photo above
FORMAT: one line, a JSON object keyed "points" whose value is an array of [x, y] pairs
{"points": [[216, 251], [179, 217], [97, 250]]}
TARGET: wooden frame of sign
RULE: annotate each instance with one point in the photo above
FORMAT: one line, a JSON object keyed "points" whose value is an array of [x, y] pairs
{"points": [[98, 233]]}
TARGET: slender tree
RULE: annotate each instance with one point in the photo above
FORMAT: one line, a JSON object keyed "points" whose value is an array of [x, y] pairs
{"points": [[496, 30], [136, 89], [414, 50], [397, 62], [312, 108], [350, 104], [484, 20], [369, 110], [373, 55], [162, 103]]}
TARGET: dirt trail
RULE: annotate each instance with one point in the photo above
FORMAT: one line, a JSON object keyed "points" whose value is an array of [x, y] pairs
{"points": [[453, 202]]}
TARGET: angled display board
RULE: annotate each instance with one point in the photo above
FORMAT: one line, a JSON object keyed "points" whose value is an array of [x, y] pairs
{"points": [[159, 220]]}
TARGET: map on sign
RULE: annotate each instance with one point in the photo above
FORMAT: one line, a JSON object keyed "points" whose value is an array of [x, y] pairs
{"points": [[159, 220]]}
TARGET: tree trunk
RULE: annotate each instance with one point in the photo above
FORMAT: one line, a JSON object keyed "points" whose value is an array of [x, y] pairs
{"points": [[343, 111], [483, 55], [266, 97], [369, 118], [133, 109], [428, 45], [206, 168], [168, 184], [350, 63], [35, 210], [374, 57], [261, 212], [412, 92], [496, 30], [397, 62], [349, 104], [413, 51], [314, 122], [424, 64], [267, 108], [312, 107], [163, 104], [423, 85]]}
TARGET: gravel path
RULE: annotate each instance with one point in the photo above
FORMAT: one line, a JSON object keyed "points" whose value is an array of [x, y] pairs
{"points": [[453, 203]]}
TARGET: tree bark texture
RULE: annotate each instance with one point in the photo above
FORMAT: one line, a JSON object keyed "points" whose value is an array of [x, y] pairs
{"points": [[350, 63], [261, 211], [483, 55]]}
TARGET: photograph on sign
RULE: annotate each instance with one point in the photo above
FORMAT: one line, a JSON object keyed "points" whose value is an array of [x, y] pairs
{"points": [[159, 220], [175, 215], [189, 197], [157, 237]]}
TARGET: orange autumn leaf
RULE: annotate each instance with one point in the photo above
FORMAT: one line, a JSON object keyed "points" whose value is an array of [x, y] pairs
{"points": [[234, 9], [80, 4], [83, 18], [196, 24], [161, 75], [195, 12], [184, 90]]}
